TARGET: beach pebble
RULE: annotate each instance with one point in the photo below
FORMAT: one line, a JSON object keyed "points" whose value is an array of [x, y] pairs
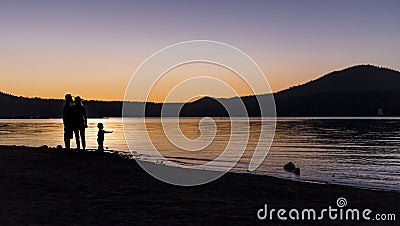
{"points": [[289, 166]]}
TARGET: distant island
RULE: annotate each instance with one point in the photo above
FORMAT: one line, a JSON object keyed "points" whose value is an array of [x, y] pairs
{"points": [[362, 90]]}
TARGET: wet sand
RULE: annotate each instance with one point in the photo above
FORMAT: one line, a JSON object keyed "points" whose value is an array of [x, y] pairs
{"points": [[47, 186]]}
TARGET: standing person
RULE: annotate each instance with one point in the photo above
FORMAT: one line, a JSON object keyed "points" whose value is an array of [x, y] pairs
{"points": [[79, 122], [68, 121], [100, 136]]}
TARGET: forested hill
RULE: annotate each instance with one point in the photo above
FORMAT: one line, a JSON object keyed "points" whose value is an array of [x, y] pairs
{"points": [[355, 91]]}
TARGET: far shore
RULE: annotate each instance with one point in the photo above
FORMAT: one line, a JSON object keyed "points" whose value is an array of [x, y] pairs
{"points": [[187, 117], [49, 186]]}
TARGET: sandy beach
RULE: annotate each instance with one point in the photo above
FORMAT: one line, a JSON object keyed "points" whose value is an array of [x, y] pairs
{"points": [[47, 186]]}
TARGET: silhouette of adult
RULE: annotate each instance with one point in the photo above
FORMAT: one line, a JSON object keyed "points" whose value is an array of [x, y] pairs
{"points": [[79, 122], [68, 120]]}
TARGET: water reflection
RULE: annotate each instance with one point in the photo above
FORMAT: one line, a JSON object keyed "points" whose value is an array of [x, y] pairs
{"points": [[355, 151]]}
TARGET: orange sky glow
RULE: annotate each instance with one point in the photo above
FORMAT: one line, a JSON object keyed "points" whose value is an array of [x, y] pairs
{"points": [[48, 50]]}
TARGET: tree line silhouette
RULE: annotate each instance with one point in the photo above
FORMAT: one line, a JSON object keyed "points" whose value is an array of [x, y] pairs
{"points": [[356, 91]]}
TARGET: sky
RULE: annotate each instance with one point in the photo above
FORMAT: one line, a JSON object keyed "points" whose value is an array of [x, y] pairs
{"points": [[92, 48]]}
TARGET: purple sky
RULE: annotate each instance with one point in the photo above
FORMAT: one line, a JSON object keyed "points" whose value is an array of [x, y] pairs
{"points": [[92, 48]]}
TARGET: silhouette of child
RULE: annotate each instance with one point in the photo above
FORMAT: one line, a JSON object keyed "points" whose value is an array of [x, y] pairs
{"points": [[100, 136]]}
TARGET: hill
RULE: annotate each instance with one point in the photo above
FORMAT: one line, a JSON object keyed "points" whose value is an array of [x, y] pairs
{"points": [[356, 91]]}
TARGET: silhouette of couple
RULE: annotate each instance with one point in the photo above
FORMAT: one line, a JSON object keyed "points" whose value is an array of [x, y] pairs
{"points": [[75, 121]]}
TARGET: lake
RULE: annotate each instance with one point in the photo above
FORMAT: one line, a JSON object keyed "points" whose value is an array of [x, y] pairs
{"points": [[361, 152]]}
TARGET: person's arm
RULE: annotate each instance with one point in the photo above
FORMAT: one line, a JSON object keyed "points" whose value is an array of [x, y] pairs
{"points": [[85, 116], [108, 131], [64, 114]]}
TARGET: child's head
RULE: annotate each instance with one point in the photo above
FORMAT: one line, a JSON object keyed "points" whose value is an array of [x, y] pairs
{"points": [[100, 125]]}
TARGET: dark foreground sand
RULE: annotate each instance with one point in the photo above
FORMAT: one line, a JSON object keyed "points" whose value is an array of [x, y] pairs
{"points": [[46, 186]]}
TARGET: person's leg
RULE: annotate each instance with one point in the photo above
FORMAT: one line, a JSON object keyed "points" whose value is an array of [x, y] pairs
{"points": [[67, 143], [78, 144], [67, 139], [83, 137], [101, 147]]}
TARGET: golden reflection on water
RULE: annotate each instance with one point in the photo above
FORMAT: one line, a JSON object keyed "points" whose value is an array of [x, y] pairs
{"points": [[354, 151]]}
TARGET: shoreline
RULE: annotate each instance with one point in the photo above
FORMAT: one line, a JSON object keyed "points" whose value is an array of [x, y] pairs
{"points": [[130, 157], [46, 186], [127, 155], [231, 117]]}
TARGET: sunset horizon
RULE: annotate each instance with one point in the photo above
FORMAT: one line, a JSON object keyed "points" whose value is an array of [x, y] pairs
{"points": [[61, 95], [184, 112]]}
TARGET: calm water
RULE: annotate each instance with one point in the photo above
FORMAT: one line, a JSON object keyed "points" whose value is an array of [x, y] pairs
{"points": [[362, 152]]}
